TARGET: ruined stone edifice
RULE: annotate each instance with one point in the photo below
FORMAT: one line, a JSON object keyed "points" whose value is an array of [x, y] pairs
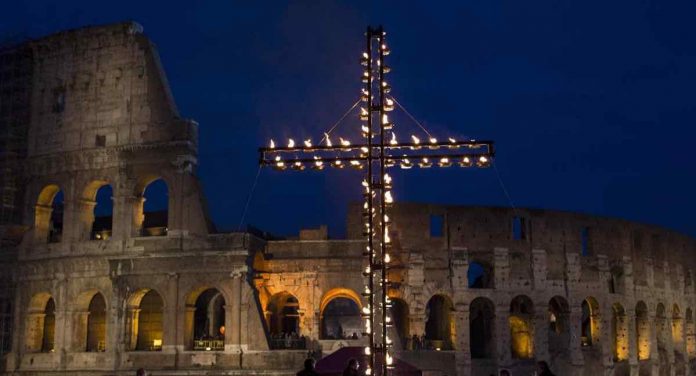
{"points": [[476, 289]]}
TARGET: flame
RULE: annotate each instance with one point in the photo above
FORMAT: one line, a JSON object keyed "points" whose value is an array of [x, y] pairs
{"points": [[272, 145], [328, 140], [385, 119], [291, 143], [308, 143], [387, 179], [415, 139], [365, 129], [344, 142], [387, 258], [393, 139], [365, 55], [452, 140], [390, 102], [388, 197], [433, 140]]}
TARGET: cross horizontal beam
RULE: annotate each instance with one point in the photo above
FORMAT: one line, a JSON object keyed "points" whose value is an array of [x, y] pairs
{"points": [[391, 146], [441, 154]]}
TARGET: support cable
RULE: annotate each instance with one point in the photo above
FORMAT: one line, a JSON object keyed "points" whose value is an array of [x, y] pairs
{"points": [[339, 121], [412, 117], [251, 194]]}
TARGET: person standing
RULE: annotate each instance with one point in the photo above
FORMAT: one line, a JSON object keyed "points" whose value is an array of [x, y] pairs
{"points": [[308, 370], [352, 368], [543, 368]]}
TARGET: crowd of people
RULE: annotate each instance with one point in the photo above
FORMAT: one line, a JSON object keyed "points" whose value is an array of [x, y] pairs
{"points": [[288, 341]]}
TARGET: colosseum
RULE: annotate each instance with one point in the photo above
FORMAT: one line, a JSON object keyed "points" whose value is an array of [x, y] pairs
{"points": [[477, 289]]}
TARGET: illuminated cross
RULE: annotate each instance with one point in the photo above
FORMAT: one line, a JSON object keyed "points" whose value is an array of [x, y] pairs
{"points": [[379, 151]]}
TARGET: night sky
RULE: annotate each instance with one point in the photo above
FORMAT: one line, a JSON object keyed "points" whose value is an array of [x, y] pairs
{"points": [[592, 103]]}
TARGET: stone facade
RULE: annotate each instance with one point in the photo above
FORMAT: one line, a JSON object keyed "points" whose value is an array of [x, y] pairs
{"points": [[474, 289]]}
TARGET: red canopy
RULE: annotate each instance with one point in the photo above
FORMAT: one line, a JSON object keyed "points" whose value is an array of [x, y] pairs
{"points": [[334, 364]]}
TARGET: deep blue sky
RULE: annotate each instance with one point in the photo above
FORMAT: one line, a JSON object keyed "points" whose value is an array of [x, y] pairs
{"points": [[591, 103]]}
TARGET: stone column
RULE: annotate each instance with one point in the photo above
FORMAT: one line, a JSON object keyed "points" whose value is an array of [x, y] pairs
{"points": [[132, 315], [34, 331], [170, 314], [42, 219], [501, 267], [80, 330], [575, 322], [188, 325], [541, 330], [654, 353], [417, 324], [462, 355], [539, 269], [128, 215], [630, 320], [84, 218], [234, 339], [502, 335]]}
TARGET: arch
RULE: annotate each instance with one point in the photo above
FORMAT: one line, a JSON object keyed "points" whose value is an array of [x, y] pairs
{"points": [[340, 318], [48, 214], [400, 314], [677, 327], [153, 210], [146, 311], [339, 292], [99, 221], [481, 328], [559, 325], [439, 324], [205, 320], [480, 275], [40, 324], [590, 323], [643, 326], [96, 324], [619, 333], [282, 314], [521, 327]]}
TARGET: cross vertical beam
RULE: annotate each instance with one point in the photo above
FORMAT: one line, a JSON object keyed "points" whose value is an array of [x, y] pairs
{"points": [[376, 158]]}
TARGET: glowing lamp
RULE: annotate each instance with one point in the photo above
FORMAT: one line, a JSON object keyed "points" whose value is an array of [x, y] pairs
{"points": [[483, 161], [425, 163], [465, 162]]}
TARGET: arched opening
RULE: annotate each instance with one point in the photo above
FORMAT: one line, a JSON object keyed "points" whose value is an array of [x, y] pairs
{"points": [[340, 314], [616, 280], [149, 329], [96, 324], [690, 334], [399, 313], [49, 327], [439, 324], [642, 331], [283, 318], [341, 319], [619, 333], [677, 328], [48, 214], [155, 209], [103, 214], [559, 326], [208, 321], [590, 322], [481, 326], [521, 328], [480, 275]]}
